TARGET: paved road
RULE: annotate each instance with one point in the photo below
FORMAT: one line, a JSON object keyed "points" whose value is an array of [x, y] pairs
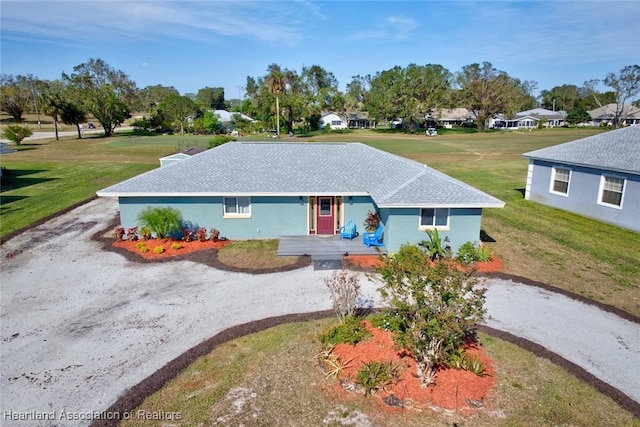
{"points": [[79, 326]]}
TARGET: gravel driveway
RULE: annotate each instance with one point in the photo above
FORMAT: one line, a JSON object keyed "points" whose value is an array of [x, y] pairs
{"points": [[80, 325]]}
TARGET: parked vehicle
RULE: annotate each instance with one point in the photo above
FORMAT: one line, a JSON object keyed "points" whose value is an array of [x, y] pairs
{"points": [[431, 132]]}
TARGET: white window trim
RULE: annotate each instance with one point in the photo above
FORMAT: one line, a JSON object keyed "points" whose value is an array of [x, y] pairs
{"points": [[434, 227], [226, 214], [553, 179], [601, 190]]}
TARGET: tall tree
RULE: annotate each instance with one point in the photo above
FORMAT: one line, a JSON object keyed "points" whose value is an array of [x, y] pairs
{"points": [[211, 97], [16, 95], [152, 96], [321, 91], [564, 98], [178, 110], [52, 100], [73, 114], [276, 81], [625, 85], [487, 91], [106, 93]]}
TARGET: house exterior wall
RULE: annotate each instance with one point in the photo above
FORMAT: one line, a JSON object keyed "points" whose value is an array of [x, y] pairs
{"points": [[277, 216], [334, 120], [402, 225], [271, 217], [583, 193]]}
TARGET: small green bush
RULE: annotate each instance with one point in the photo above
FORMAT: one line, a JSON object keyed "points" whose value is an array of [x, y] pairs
{"points": [[374, 376], [219, 140], [351, 331], [142, 248], [470, 252], [461, 360], [161, 221], [141, 245], [387, 320], [176, 246], [17, 133], [158, 250]]}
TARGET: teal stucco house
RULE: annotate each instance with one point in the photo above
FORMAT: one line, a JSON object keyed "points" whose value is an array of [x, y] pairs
{"points": [[250, 190]]}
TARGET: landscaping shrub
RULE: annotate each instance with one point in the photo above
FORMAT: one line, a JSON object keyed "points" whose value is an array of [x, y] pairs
{"points": [[372, 221], [388, 320], [118, 233], [436, 247], [214, 235], [145, 232], [374, 376], [201, 234], [161, 221], [132, 234], [440, 307], [158, 250], [469, 252], [176, 246], [345, 293], [351, 331]]}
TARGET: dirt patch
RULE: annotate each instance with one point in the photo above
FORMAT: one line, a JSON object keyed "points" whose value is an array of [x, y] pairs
{"points": [[455, 389]]}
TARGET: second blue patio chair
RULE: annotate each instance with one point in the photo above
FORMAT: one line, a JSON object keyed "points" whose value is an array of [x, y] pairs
{"points": [[373, 239], [348, 230]]}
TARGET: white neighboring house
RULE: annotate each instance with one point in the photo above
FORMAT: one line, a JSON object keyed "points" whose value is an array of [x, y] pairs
{"points": [[226, 118], [333, 120]]}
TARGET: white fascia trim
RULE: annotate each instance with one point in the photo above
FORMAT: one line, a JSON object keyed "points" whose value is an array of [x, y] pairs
{"points": [[228, 194], [449, 205]]}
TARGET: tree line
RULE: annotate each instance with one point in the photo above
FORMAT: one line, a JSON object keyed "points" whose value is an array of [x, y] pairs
{"points": [[286, 98]]}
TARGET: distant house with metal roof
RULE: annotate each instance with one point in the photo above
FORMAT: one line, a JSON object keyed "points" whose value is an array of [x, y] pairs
{"points": [[597, 176], [251, 190]]}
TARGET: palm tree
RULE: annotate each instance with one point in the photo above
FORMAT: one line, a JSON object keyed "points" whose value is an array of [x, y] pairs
{"points": [[52, 101], [276, 82]]}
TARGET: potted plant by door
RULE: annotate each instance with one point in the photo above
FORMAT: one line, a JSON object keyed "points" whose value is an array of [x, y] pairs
{"points": [[372, 221]]}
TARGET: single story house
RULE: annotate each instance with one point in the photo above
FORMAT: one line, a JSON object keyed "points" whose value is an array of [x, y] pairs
{"points": [[529, 119], [553, 118], [597, 176], [359, 121], [604, 115], [450, 117], [250, 190], [333, 120]]}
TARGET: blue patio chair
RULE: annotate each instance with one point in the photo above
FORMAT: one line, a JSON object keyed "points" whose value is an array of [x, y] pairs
{"points": [[348, 230], [373, 239]]}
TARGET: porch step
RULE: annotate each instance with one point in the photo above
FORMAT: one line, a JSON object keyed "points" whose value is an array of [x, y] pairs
{"points": [[327, 262]]}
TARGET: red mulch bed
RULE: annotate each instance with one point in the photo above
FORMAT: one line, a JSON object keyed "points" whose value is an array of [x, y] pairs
{"points": [[452, 388], [372, 261], [187, 247]]}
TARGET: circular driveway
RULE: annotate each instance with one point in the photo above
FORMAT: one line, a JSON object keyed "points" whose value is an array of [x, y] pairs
{"points": [[79, 325]]}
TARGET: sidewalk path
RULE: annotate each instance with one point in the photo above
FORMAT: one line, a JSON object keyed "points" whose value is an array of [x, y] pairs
{"points": [[79, 325]]}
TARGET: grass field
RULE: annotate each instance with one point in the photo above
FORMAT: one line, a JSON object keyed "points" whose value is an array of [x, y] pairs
{"points": [[597, 260]]}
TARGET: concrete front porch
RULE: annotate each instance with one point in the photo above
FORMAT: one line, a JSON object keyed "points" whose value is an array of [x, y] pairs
{"points": [[321, 246]]}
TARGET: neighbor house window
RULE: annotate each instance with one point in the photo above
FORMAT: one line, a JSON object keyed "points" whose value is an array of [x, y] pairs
{"points": [[434, 217], [611, 189], [237, 206], [560, 181]]}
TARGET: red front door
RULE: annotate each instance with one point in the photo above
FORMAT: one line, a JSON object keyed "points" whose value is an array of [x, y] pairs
{"points": [[326, 215]]}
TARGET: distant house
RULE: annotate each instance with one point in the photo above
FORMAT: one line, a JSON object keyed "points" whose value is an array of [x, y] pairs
{"points": [[529, 119], [227, 117], [359, 121], [450, 117], [333, 120], [604, 115], [263, 190], [597, 176]]}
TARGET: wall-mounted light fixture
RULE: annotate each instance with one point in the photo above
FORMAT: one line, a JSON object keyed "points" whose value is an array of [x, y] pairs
{"points": [[300, 200], [350, 200]]}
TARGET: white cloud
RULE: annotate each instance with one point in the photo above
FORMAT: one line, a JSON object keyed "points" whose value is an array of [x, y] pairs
{"points": [[393, 28], [267, 22]]}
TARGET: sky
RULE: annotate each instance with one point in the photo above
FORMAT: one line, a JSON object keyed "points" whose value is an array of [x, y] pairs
{"points": [[195, 44]]}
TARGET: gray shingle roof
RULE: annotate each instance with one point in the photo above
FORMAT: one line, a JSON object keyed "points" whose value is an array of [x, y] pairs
{"points": [[617, 150], [264, 168]]}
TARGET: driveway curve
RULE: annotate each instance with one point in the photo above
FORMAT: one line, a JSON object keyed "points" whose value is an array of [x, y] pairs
{"points": [[79, 325]]}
